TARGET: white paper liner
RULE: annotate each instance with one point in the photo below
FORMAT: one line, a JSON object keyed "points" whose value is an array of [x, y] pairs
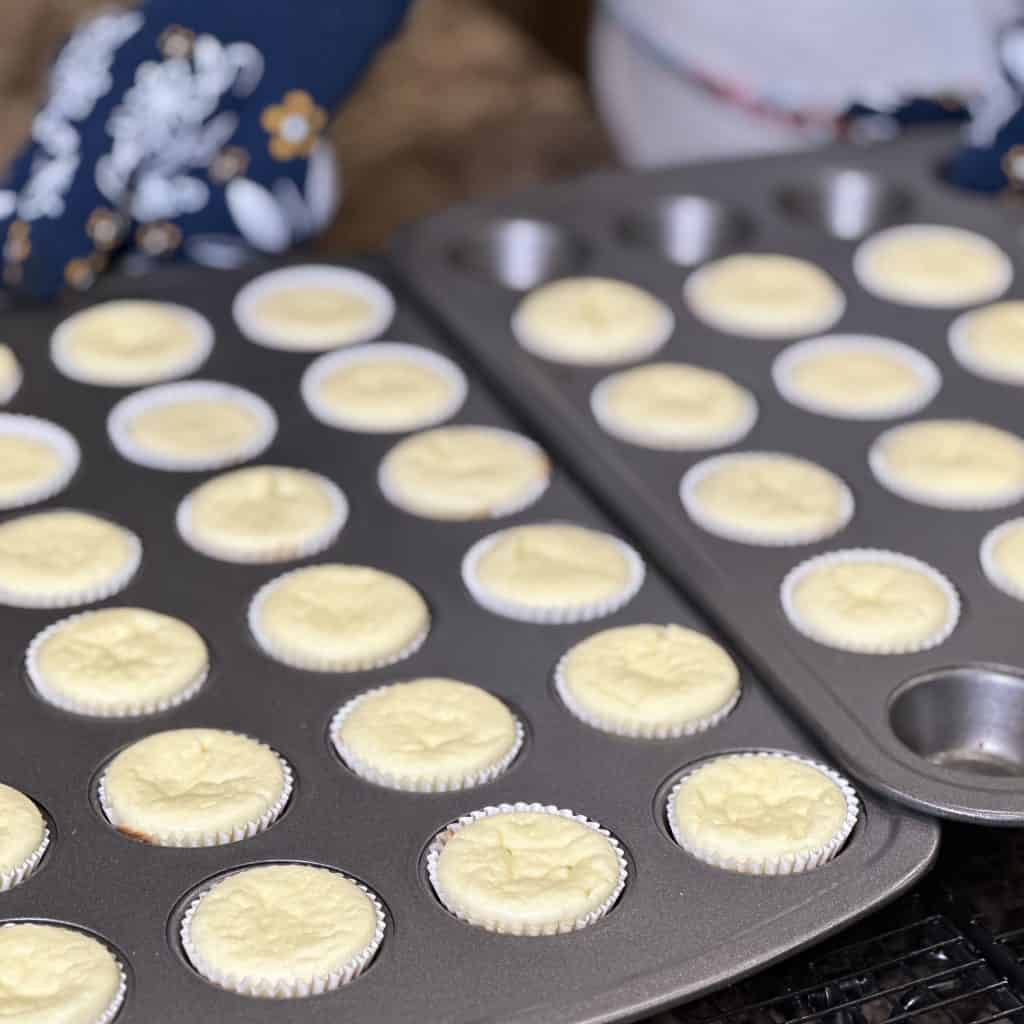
{"points": [[221, 837], [696, 474], [9, 389], [116, 582], [923, 496], [54, 437], [870, 282], [317, 275], [297, 988], [637, 730], [552, 615], [121, 416], [987, 556], [964, 354], [786, 864], [20, 872], [394, 493], [274, 551], [419, 784], [116, 1002], [309, 661], [788, 361], [740, 327], [96, 710], [556, 927], [633, 434], [389, 351], [858, 555], [538, 346], [202, 345]]}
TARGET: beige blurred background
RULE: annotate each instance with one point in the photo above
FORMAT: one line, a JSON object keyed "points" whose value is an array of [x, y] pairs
{"points": [[475, 96]]}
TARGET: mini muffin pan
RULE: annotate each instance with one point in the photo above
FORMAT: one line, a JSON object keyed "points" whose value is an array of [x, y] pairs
{"points": [[888, 720], [679, 928]]}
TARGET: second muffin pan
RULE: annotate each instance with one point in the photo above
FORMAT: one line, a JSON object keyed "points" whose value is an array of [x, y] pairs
{"points": [[939, 730], [680, 927]]}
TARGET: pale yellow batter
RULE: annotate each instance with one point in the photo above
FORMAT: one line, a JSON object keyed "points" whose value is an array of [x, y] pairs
{"points": [[766, 498], [764, 295], [427, 735], [932, 265], [194, 787], [951, 463], [51, 974], [10, 374], [872, 602], [131, 342], [263, 514], [312, 308], [22, 841], [1002, 557], [37, 459], [674, 406], [464, 472], [333, 618], [761, 814], [383, 388], [62, 557], [118, 661], [550, 568], [855, 377], [592, 321], [990, 341], [650, 681], [282, 931], [527, 872]]}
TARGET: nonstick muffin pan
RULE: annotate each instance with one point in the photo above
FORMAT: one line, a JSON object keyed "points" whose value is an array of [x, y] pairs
{"points": [[680, 927], [941, 730]]}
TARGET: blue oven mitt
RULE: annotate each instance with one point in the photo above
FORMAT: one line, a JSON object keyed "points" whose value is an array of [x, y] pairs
{"points": [[185, 117]]}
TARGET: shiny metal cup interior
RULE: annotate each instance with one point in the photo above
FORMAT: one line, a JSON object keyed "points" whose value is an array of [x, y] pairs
{"points": [[846, 203], [970, 719], [518, 253], [685, 229]]}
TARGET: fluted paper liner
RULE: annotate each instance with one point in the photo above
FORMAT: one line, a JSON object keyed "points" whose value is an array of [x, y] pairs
{"points": [[95, 710], [121, 416], [788, 361], [995, 574], [345, 279], [309, 661], [785, 864], [418, 784], [690, 499], [194, 840], [58, 440], [387, 351], [273, 551], [20, 872], [390, 489], [860, 555], [550, 614], [297, 988], [557, 927]]}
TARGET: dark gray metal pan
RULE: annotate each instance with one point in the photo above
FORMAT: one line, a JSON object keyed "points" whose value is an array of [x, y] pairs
{"points": [[952, 745], [680, 927]]}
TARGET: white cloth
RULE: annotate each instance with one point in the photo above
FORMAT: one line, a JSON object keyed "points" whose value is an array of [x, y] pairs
{"points": [[806, 55]]}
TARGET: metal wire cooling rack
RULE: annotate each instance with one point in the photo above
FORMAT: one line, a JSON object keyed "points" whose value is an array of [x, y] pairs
{"points": [[950, 952]]}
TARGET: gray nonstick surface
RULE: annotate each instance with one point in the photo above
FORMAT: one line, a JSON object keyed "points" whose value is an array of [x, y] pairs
{"points": [[955, 745], [680, 927]]}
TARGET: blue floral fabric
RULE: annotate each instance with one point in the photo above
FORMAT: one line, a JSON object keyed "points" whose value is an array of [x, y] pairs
{"points": [[188, 117], [184, 117]]}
